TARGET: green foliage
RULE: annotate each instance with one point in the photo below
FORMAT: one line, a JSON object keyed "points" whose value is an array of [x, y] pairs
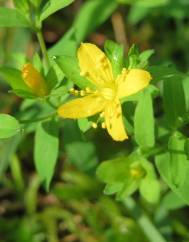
{"points": [[115, 54], [164, 165], [46, 150], [12, 18], [14, 78], [9, 126], [174, 107], [52, 6], [22, 5], [124, 175], [85, 22], [144, 121], [144, 176], [70, 68]]}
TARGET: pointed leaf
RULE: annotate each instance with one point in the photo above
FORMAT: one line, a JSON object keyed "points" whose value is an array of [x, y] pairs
{"points": [[163, 164], [69, 65], [144, 121], [9, 126], [12, 18], [115, 53], [53, 6], [174, 99], [46, 150]]}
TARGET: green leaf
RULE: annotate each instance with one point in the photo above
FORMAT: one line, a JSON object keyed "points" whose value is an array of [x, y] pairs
{"points": [[23, 93], [122, 175], [144, 58], [150, 189], [177, 158], [51, 78], [163, 163], [46, 150], [151, 4], [160, 73], [53, 6], [144, 121], [84, 124], [115, 53], [22, 5], [132, 59], [60, 91], [37, 63], [69, 66], [85, 23], [88, 19], [145, 55], [173, 99], [113, 188], [129, 187], [14, 78], [9, 126], [186, 93], [186, 148], [37, 3], [12, 18], [136, 14], [80, 152], [114, 171], [172, 201]]}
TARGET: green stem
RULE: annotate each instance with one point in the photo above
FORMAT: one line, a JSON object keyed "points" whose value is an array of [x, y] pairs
{"points": [[156, 151], [43, 48], [38, 119], [51, 104], [143, 221]]}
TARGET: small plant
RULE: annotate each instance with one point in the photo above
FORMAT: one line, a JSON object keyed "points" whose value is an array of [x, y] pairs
{"points": [[109, 111]]}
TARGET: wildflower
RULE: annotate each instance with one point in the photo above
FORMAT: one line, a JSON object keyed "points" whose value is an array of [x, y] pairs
{"points": [[34, 80], [105, 99]]}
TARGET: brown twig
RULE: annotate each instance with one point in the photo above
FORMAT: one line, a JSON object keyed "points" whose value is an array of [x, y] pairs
{"points": [[120, 30]]}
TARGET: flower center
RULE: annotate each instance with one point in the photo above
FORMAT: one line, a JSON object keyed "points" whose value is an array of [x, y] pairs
{"points": [[108, 93]]}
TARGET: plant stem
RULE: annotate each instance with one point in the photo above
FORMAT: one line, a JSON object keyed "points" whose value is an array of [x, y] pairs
{"points": [[38, 119], [43, 48], [143, 221]]}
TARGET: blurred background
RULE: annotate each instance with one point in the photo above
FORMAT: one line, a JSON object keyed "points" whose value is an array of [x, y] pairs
{"points": [[75, 209]]}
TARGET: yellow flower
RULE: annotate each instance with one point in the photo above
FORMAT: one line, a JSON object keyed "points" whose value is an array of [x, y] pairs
{"points": [[34, 80], [105, 99]]}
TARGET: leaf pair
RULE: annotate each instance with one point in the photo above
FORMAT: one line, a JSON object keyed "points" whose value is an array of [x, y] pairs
{"points": [[19, 17], [174, 166], [124, 176]]}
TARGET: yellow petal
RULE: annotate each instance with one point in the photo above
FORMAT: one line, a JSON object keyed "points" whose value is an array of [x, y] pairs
{"points": [[82, 107], [34, 80], [114, 121], [94, 64], [131, 82]]}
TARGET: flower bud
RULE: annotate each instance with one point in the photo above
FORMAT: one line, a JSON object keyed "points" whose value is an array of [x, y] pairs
{"points": [[34, 80]]}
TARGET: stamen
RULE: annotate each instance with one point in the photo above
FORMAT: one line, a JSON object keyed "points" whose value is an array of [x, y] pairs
{"points": [[88, 90], [82, 93], [103, 125], [84, 73], [124, 70], [102, 114], [76, 92], [72, 90], [94, 125]]}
